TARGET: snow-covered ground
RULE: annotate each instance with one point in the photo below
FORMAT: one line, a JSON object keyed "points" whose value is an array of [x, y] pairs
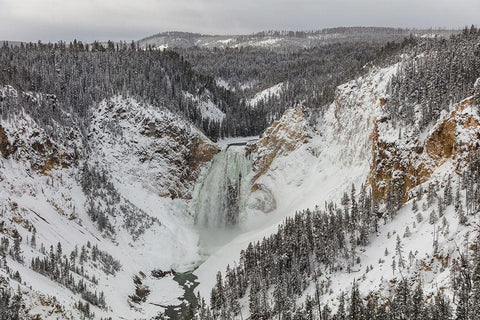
{"points": [[128, 143], [340, 154], [207, 108], [421, 262], [171, 245], [224, 84], [266, 94]]}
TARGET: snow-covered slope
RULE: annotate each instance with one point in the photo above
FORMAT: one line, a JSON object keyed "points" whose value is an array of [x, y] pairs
{"points": [[280, 40], [139, 144], [111, 205], [205, 105], [405, 156], [266, 94], [105, 215]]}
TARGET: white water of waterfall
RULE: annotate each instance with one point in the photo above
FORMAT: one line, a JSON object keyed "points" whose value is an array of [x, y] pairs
{"points": [[221, 197]]}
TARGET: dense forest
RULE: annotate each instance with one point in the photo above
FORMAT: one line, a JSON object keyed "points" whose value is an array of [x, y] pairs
{"points": [[73, 77], [64, 81], [60, 84], [311, 75], [439, 73]]}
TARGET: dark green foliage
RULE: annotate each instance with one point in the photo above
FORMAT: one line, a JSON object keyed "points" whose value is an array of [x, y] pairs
{"points": [[141, 291], [11, 303], [73, 77], [103, 201], [311, 75], [61, 269], [319, 242], [438, 73]]}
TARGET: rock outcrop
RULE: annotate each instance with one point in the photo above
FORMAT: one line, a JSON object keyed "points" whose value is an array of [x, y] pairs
{"points": [[154, 147], [282, 137], [5, 146], [201, 152], [408, 160], [25, 141]]}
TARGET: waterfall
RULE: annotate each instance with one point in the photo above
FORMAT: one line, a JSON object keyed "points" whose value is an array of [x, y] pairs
{"points": [[221, 196]]}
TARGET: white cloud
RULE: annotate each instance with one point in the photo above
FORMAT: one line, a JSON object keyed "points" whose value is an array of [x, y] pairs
{"points": [[132, 19]]}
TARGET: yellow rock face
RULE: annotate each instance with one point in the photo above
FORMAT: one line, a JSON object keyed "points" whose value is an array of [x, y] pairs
{"points": [[410, 164], [201, 152], [391, 165], [440, 145], [282, 137]]}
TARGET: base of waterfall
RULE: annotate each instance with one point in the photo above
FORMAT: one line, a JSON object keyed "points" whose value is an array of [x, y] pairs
{"points": [[299, 180]]}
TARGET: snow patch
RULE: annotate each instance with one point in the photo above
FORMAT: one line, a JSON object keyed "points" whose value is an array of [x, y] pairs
{"points": [[266, 94]]}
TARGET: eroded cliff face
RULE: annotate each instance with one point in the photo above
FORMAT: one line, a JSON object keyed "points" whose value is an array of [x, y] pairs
{"points": [[123, 135], [282, 137], [313, 155], [457, 136], [354, 131], [201, 152], [23, 140], [124, 164], [403, 160], [5, 146], [149, 146]]}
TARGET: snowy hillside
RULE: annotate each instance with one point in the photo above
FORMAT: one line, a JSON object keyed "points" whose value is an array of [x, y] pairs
{"points": [[109, 211], [207, 108], [281, 39], [301, 169], [266, 94], [118, 200]]}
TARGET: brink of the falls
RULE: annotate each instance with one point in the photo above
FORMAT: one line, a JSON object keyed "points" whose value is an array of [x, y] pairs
{"points": [[221, 195]]}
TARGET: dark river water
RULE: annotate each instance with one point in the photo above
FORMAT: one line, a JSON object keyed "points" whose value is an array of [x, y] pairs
{"points": [[184, 311]]}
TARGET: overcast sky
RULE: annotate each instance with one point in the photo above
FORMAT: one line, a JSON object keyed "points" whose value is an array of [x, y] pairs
{"points": [[88, 20]]}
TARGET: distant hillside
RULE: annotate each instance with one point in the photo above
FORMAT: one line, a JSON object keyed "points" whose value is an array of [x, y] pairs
{"points": [[286, 39]]}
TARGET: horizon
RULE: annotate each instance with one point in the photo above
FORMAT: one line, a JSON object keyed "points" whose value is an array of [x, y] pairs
{"points": [[235, 34], [90, 20]]}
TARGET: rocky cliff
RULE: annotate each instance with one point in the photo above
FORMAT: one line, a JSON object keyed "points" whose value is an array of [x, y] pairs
{"points": [[151, 146], [119, 183], [282, 137], [404, 157]]}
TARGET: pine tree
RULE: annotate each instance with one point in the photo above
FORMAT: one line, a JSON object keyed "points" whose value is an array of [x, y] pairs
{"points": [[418, 303], [462, 217], [447, 192], [475, 310], [33, 240], [399, 252], [341, 313], [433, 217], [356, 306], [414, 206], [17, 252]]}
